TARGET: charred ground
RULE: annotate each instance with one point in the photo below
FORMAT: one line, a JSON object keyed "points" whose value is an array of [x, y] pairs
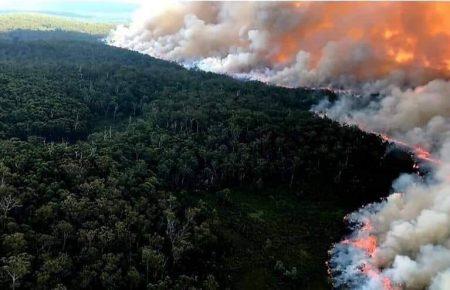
{"points": [[130, 172]]}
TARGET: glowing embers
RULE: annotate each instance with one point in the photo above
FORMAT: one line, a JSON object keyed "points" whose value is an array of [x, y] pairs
{"points": [[421, 153], [388, 34], [404, 56]]}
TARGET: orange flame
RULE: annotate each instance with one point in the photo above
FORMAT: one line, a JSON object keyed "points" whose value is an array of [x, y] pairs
{"points": [[418, 150], [399, 35], [368, 243], [374, 273]]}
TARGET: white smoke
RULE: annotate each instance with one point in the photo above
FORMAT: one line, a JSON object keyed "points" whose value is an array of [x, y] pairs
{"points": [[395, 59], [418, 116], [412, 230], [294, 43]]}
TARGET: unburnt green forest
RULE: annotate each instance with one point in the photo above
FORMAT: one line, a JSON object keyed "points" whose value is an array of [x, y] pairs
{"points": [[41, 22], [121, 171]]}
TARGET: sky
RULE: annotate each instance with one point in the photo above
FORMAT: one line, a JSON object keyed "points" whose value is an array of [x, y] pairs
{"points": [[95, 10]]}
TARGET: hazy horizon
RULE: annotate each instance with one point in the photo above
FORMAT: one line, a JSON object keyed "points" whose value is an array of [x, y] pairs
{"points": [[98, 11]]}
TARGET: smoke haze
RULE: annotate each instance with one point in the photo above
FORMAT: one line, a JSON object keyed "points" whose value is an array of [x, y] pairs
{"points": [[298, 43], [393, 60]]}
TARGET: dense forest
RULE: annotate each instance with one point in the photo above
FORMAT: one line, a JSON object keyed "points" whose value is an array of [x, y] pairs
{"points": [[36, 21], [120, 171]]}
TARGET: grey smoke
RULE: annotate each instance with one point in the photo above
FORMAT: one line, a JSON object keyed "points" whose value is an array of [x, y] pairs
{"points": [[363, 48]]}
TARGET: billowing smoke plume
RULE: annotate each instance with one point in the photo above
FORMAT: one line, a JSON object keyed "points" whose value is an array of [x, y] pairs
{"points": [[298, 43], [402, 242], [419, 116], [393, 62]]}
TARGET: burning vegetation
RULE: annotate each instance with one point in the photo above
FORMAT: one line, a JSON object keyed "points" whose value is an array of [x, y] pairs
{"points": [[389, 63], [298, 43]]}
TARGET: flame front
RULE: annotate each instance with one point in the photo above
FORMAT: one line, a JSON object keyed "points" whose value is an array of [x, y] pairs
{"points": [[398, 50], [367, 243], [421, 153], [396, 35], [298, 43], [364, 239]]}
